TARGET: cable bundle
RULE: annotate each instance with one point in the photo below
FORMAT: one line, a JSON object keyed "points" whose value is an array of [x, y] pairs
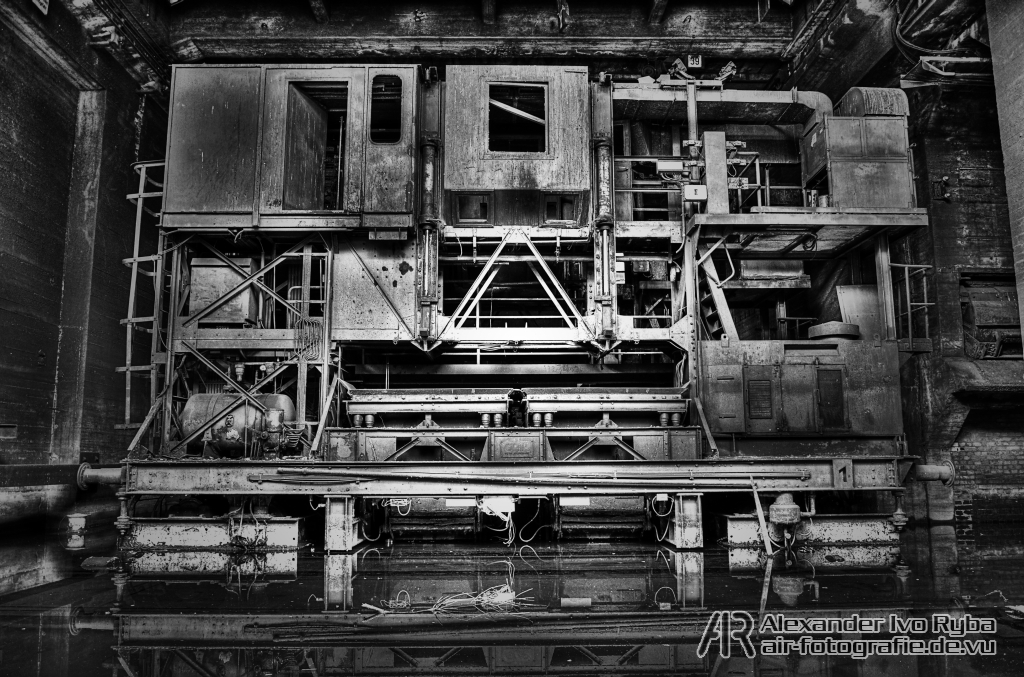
{"points": [[497, 599]]}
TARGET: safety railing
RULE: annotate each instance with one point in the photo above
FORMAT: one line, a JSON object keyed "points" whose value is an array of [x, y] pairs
{"points": [[910, 287]]}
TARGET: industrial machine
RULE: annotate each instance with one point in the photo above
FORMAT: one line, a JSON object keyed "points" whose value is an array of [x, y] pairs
{"points": [[516, 301]]}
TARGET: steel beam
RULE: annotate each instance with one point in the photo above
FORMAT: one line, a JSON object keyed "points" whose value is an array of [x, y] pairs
{"points": [[504, 479], [233, 630], [847, 218]]}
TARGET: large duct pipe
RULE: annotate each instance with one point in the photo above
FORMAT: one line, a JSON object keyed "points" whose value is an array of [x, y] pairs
{"points": [[30, 490], [944, 473], [88, 475]]}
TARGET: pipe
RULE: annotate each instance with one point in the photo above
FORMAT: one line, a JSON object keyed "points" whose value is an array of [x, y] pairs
{"points": [[944, 473], [811, 505], [691, 116], [820, 104], [428, 212], [604, 180], [80, 620], [607, 277], [88, 475], [40, 475]]}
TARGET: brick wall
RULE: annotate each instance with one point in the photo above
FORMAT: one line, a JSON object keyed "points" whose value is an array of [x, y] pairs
{"points": [[989, 459], [989, 501]]}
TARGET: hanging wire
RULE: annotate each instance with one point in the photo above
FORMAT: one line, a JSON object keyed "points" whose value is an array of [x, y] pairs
{"points": [[398, 503], [362, 529], [671, 509]]}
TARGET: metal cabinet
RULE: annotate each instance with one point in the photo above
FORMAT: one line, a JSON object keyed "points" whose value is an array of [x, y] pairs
{"points": [[801, 387], [867, 160]]}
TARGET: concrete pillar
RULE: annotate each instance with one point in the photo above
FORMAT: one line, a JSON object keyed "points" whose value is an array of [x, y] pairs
{"points": [[1006, 32]]}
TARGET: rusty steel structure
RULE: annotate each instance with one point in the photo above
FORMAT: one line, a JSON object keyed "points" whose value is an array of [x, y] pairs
{"points": [[442, 303]]}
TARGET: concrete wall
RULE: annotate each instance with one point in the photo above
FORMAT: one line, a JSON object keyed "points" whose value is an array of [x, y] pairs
{"points": [[1006, 33], [73, 123], [38, 113]]}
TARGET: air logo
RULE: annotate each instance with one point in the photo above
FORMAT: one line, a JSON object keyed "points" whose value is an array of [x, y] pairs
{"points": [[725, 627]]}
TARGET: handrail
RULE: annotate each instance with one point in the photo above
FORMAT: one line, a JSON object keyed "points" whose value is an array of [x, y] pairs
{"points": [[911, 270]]}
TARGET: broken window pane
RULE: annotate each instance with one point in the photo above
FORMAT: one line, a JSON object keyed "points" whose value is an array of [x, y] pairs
{"points": [[517, 121]]}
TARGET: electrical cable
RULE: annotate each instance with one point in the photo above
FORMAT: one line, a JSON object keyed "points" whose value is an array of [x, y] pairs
{"points": [[671, 509], [663, 534], [665, 587]]}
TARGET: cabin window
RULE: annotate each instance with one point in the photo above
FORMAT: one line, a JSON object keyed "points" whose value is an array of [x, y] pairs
{"points": [[473, 208], [8, 431], [386, 109], [560, 208], [517, 118], [315, 145]]}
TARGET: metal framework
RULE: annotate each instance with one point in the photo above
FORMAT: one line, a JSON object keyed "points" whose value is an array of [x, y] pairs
{"points": [[297, 290]]}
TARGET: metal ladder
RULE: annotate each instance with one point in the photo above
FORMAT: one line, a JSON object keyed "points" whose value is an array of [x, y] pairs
{"points": [[151, 189]]}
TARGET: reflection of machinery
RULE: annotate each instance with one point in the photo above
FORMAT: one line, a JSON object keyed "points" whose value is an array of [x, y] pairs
{"points": [[808, 538], [570, 578], [447, 610]]}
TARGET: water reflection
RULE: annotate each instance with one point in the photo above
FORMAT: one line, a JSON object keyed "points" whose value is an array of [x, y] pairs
{"points": [[73, 606]]}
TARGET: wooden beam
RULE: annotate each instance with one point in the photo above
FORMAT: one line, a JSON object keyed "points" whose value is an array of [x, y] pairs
{"points": [[363, 31], [478, 48], [657, 12], [319, 11], [488, 11]]}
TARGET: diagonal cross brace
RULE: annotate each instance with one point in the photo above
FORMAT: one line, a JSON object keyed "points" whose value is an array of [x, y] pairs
{"points": [[209, 364], [551, 295], [594, 441], [428, 441], [248, 280], [259, 283], [380, 290], [555, 283], [484, 272], [237, 401], [479, 294]]}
